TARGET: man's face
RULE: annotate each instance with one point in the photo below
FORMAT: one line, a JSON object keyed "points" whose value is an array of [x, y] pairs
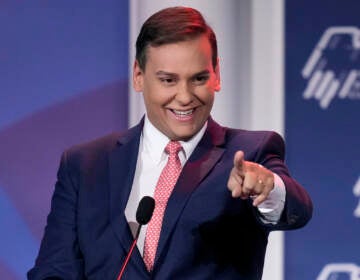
{"points": [[178, 85]]}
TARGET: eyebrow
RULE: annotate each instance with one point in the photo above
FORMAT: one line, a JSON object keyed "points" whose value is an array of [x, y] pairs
{"points": [[159, 73], [204, 72]]}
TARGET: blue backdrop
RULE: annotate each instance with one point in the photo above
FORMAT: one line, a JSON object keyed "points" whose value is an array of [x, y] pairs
{"points": [[63, 80], [323, 135]]}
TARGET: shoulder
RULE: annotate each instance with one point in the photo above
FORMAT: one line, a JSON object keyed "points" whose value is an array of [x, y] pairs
{"points": [[256, 137], [255, 143], [106, 143], [97, 150], [247, 140], [101, 144], [89, 154], [93, 148]]}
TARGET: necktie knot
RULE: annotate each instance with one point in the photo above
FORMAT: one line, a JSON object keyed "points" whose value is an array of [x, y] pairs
{"points": [[173, 148]]}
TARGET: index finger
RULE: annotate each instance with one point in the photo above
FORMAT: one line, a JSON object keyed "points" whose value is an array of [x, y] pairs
{"points": [[239, 162]]}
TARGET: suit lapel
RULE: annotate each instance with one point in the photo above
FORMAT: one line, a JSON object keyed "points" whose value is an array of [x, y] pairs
{"points": [[122, 165], [205, 156]]}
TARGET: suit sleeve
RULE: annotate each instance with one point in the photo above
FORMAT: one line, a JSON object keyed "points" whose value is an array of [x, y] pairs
{"points": [[298, 205], [59, 256]]}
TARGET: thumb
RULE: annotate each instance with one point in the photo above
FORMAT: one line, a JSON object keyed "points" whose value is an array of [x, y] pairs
{"points": [[239, 162]]}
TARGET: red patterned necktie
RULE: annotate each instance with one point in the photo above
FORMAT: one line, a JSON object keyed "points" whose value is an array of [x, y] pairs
{"points": [[163, 189]]}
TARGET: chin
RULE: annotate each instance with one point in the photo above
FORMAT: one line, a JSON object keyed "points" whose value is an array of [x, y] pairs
{"points": [[183, 136]]}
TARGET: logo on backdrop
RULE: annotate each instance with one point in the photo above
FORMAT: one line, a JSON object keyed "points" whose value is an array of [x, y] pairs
{"points": [[349, 271], [356, 191], [333, 68], [333, 271]]}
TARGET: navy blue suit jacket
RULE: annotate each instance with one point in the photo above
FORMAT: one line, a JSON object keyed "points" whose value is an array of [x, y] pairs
{"points": [[206, 233]]}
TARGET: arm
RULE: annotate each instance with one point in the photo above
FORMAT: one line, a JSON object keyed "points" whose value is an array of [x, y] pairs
{"points": [[59, 256], [256, 179]]}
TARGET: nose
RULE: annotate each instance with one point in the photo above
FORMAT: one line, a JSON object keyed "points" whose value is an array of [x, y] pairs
{"points": [[184, 94]]}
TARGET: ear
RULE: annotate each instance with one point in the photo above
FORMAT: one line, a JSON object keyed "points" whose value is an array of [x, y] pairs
{"points": [[217, 76], [138, 77]]}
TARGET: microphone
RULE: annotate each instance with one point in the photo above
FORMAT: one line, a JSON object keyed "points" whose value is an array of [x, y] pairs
{"points": [[143, 215], [145, 210]]}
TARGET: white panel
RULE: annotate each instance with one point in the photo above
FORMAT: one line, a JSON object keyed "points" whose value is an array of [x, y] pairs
{"points": [[267, 65], [268, 97]]}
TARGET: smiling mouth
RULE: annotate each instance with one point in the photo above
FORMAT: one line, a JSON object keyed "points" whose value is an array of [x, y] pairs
{"points": [[183, 115]]}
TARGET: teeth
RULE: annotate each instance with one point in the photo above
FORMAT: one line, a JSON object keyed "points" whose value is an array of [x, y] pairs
{"points": [[183, 113]]}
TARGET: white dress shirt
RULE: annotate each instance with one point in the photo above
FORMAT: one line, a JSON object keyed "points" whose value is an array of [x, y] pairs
{"points": [[151, 160]]}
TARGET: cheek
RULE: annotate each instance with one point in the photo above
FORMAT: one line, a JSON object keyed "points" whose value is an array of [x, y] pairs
{"points": [[150, 98], [206, 95], [154, 101]]}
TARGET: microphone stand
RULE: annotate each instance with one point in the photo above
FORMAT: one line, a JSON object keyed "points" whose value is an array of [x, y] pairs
{"points": [[143, 215], [129, 253]]}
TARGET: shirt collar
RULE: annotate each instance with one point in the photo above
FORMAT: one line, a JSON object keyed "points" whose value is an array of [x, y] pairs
{"points": [[154, 141]]}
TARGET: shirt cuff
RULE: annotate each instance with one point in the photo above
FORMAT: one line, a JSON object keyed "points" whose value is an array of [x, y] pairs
{"points": [[271, 209]]}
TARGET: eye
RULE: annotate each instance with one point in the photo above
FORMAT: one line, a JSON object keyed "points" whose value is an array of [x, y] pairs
{"points": [[200, 79], [167, 81]]}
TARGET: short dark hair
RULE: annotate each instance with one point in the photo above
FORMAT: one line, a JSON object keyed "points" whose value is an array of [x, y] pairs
{"points": [[173, 25]]}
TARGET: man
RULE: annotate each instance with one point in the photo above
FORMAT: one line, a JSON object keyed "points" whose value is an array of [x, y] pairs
{"points": [[229, 188]]}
